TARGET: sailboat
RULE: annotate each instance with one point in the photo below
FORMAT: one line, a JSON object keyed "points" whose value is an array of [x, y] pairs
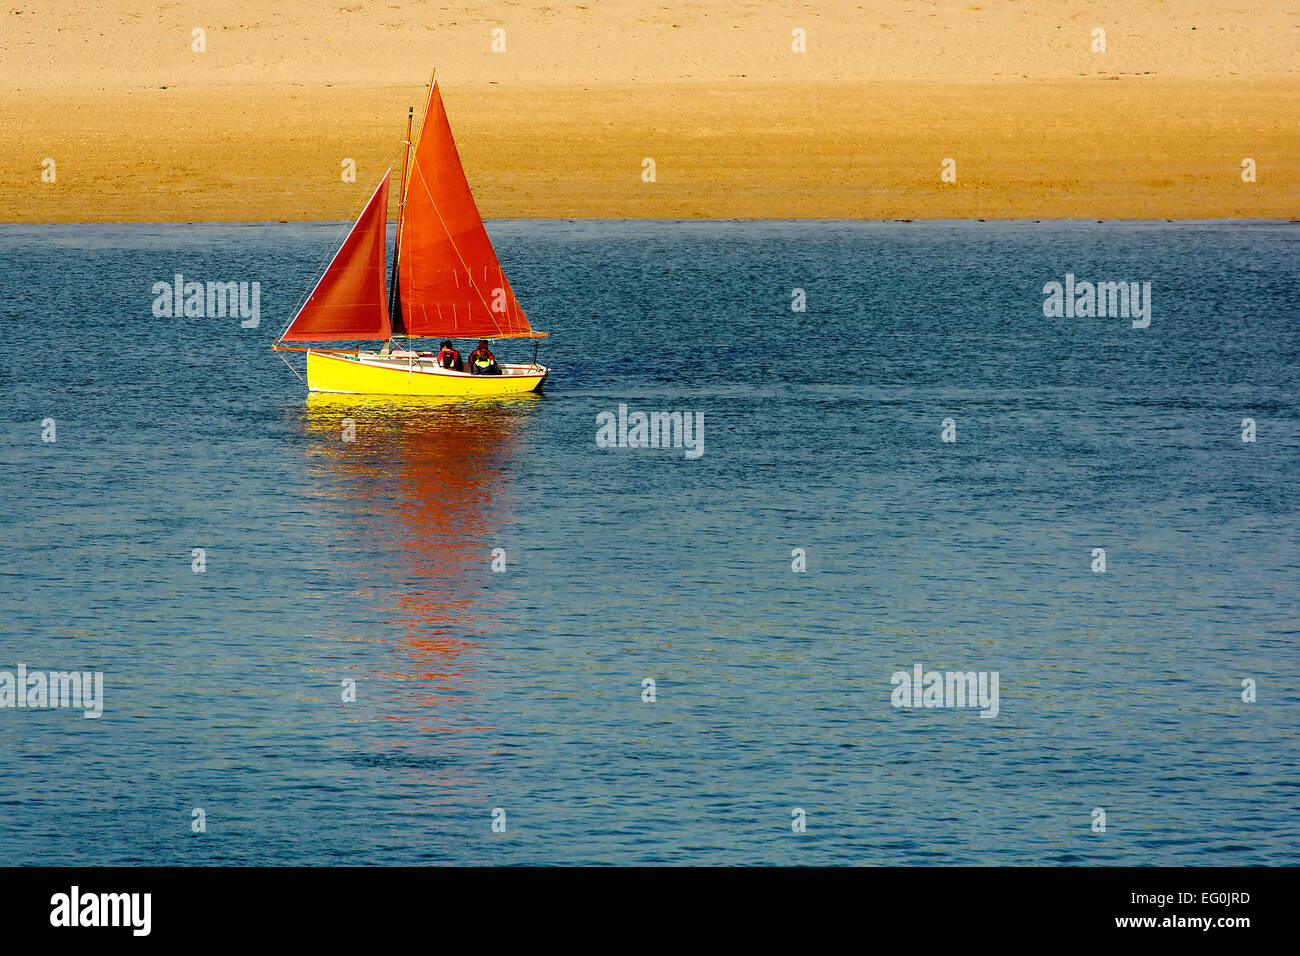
{"points": [[446, 283]]}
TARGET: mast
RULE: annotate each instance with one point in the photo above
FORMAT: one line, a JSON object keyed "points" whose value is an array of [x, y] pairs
{"points": [[394, 301]]}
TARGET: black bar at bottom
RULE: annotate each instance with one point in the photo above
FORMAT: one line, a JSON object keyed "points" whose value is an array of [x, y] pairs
{"points": [[616, 906]]}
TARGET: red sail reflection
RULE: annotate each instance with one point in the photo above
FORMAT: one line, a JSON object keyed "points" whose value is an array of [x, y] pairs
{"points": [[426, 481]]}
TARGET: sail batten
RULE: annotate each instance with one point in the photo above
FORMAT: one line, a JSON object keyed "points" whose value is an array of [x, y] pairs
{"points": [[350, 301], [443, 242]]}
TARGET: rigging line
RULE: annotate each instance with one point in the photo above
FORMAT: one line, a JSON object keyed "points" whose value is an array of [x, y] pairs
{"points": [[344, 230], [339, 236], [336, 243], [291, 368], [468, 271]]}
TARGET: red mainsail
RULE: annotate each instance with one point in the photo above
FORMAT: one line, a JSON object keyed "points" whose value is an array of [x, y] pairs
{"points": [[450, 280], [349, 302]]}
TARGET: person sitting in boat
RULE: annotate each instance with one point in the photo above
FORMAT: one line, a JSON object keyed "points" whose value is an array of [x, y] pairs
{"points": [[482, 361], [450, 358]]}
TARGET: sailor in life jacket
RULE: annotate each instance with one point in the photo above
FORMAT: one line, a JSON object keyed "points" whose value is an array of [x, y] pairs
{"points": [[450, 358], [482, 361]]}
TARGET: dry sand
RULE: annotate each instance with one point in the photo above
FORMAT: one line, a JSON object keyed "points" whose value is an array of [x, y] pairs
{"points": [[255, 127]]}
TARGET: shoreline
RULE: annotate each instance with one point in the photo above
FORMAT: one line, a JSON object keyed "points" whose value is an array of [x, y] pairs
{"points": [[667, 220]]}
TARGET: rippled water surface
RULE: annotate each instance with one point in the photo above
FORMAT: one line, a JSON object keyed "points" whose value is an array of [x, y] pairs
{"points": [[371, 561]]}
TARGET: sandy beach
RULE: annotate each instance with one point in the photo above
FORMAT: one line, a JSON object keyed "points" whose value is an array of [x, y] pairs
{"points": [[140, 125]]}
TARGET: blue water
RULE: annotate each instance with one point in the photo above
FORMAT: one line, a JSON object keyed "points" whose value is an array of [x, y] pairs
{"points": [[371, 560]]}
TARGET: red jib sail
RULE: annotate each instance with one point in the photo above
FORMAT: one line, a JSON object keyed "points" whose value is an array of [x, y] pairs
{"points": [[349, 301], [450, 279]]}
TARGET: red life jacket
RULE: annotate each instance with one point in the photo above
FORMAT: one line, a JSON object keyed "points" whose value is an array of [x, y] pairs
{"points": [[448, 358]]}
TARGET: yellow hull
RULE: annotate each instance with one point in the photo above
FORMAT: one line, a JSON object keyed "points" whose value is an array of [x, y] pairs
{"points": [[346, 373]]}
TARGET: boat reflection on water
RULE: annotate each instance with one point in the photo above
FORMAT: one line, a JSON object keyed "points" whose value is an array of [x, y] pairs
{"points": [[426, 481]]}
